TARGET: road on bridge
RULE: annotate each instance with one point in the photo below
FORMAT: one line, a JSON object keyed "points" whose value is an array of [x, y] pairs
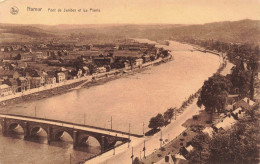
{"points": [[70, 125]]}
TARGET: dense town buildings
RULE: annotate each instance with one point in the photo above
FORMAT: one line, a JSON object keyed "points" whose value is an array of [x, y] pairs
{"points": [[25, 67]]}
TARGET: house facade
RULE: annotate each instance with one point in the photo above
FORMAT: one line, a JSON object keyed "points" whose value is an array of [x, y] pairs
{"points": [[60, 77], [101, 69], [50, 80], [138, 62], [35, 82], [5, 90], [23, 84]]}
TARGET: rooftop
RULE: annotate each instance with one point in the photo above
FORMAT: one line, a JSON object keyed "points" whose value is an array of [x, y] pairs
{"points": [[128, 53], [3, 86], [6, 72], [226, 123]]}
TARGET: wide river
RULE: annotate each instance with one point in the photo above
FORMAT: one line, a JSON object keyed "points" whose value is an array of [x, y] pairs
{"points": [[132, 99]]}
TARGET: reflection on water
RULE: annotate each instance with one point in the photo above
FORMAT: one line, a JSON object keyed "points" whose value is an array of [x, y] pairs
{"points": [[63, 141], [133, 99], [35, 149]]}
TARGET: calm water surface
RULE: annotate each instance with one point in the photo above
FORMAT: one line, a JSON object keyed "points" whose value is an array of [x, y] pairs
{"points": [[133, 99]]}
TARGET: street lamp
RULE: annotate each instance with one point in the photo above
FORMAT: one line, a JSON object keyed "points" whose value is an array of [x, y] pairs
{"points": [[35, 111], [144, 149], [84, 118], [143, 128], [132, 156], [129, 134], [111, 123]]}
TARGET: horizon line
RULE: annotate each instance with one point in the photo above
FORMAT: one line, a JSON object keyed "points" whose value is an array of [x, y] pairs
{"points": [[131, 23]]}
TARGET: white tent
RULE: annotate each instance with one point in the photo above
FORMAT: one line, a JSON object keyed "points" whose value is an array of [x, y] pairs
{"points": [[226, 123]]}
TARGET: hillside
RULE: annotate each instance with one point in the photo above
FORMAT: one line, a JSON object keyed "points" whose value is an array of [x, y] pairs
{"points": [[237, 31], [21, 33]]}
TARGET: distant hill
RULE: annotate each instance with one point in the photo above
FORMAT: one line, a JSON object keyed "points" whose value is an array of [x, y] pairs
{"points": [[236, 31], [21, 33], [28, 30]]}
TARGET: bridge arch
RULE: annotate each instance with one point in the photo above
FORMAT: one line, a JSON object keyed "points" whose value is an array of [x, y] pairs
{"points": [[37, 128], [59, 133], [15, 125], [85, 139]]}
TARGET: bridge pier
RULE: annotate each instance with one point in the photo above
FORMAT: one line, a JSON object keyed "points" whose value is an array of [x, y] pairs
{"points": [[75, 138], [102, 144], [4, 127], [26, 130], [107, 143], [49, 133]]}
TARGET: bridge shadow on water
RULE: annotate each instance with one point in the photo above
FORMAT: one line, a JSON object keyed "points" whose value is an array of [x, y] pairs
{"points": [[16, 132], [64, 140]]}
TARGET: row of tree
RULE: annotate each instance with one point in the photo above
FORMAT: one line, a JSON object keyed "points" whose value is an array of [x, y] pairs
{"points": [[162, 120], [190, 100]]}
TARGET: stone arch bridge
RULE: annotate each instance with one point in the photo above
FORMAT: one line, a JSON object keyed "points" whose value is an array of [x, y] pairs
{"points": [[54, 129]]}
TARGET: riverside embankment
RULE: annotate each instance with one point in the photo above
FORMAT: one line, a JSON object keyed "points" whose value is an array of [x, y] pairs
{"points": [[66, 86]]}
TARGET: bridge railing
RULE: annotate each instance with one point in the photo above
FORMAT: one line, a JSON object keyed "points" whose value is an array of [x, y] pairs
{"points": [[74, 124]]}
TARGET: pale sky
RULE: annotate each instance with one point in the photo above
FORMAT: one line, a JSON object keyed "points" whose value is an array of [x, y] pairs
{"points": [[130, 11]]}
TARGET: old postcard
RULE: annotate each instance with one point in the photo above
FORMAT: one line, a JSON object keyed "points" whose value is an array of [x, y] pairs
{"points": [[129, 81]]}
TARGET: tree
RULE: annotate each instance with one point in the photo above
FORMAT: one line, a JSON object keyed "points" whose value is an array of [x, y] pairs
{"points": [[235, 146], [156, 122], [253, 66], [168, 115], [137, 161], [214, 94], [159, 120], [153, 123], [240, 78]]}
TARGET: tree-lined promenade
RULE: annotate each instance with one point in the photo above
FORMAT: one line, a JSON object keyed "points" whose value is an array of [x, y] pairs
{"points": [[235, 145], [213, 97], [240, 143]]}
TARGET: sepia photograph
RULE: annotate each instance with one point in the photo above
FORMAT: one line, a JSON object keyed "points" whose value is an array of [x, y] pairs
{"points": [[129, 82]]}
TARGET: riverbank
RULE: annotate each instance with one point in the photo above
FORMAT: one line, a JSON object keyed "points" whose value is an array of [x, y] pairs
{"points": [[183, 139], [106, 77], [189, 101], [41, 95]]}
